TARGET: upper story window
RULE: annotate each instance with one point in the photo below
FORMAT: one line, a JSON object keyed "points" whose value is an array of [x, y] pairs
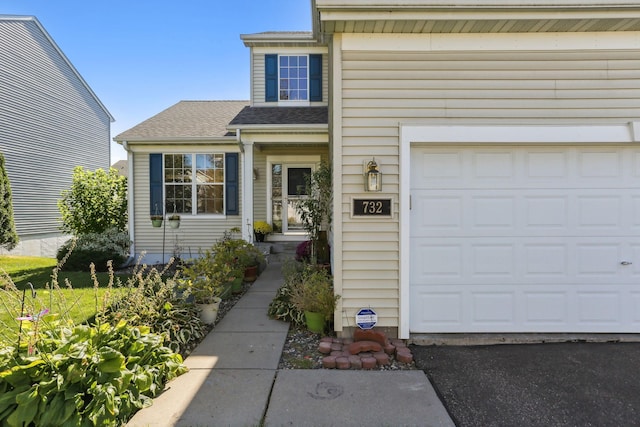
{"points": [[294, 78]]}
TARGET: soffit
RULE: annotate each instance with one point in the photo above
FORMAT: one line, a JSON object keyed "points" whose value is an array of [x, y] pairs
{"points": [[413, 16]]}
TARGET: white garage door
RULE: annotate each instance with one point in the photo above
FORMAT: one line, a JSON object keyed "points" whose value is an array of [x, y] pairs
{"points": [[525, 239]]}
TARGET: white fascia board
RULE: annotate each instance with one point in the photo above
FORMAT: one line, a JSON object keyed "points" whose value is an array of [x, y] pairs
{"points": [[492, 42], [178, 140], [291, 50], [518, 134], [480, 15], [301, 128], [512, 4]]}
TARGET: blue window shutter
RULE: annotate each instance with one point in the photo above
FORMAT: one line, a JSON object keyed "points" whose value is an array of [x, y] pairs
{"points": [[232, 194], [315, 77], [271, 78], [155, 184]]}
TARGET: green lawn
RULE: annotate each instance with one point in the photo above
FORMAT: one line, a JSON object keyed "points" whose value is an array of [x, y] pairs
{"points": [[76, 303]]}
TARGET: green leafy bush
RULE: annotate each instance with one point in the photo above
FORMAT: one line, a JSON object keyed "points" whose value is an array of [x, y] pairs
{"points": [[282, 307], [8, 235], [150, 300], [96, 248], [85, 376], [96, 202]]}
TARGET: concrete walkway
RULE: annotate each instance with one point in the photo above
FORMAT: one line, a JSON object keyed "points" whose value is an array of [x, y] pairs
{"points": [[233, 380]]}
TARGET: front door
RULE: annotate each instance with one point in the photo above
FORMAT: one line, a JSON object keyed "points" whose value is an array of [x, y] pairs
{"points": [[288, 186]]}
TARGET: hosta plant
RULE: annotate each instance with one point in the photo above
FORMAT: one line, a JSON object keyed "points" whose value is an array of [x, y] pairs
{"points": [[84, 376]]}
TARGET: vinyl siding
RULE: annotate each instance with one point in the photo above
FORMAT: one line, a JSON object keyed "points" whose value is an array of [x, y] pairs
{"points": [[258, 83], [379, 90], [51, 123], [195, 232]]}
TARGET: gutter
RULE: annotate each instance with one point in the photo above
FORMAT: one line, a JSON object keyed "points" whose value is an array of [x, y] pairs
{"points": [[239, 141]]}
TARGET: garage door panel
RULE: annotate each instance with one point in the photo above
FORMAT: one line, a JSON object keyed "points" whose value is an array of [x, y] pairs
{"points": [[529, 212], [525, 239], [472, 167], [530, 260], [514, 308]]}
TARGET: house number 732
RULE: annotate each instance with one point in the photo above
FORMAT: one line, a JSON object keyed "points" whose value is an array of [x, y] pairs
{"points": [[372, 207]]}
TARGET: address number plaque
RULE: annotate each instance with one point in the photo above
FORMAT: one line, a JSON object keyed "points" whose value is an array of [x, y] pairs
{"points": [[372, 207]]}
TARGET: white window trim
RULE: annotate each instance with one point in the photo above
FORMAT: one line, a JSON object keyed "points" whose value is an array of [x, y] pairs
{"points": [[194, 196], [296, 102]]}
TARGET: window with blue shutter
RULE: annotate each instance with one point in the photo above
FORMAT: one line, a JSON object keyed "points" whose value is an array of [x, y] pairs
{"points": [[271, 77], [172, 188], [232, 193], [315, 77]]}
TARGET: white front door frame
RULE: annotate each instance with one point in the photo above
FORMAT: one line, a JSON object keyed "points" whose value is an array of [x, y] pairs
{"points": [[485, 134], [289, 161]]}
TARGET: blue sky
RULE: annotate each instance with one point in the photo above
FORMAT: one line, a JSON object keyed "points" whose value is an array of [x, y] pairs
{"points": [[142, 56]]}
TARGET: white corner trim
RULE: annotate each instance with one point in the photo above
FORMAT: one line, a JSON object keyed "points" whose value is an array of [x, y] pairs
{"points": [[247, 191], [635, 131]]}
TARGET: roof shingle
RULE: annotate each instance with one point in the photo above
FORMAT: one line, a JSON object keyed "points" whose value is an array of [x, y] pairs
{"points": [[187, 119], [282, 116]]}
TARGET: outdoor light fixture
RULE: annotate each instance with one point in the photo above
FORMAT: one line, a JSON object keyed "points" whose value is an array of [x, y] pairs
{"points": [[372, 177]]}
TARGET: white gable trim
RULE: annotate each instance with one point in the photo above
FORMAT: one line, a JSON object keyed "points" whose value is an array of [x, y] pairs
{"points": [[489, 134]]}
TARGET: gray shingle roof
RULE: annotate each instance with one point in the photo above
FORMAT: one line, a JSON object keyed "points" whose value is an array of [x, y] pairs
{"points": [[281, 116], [185, 120]]}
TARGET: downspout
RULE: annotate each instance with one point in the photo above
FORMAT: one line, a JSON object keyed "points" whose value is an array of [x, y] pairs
{"points": [[130, 198]]}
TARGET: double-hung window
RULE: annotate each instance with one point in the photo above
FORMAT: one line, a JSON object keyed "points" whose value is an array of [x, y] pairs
{"points": [[294, 77], [194, 183]]}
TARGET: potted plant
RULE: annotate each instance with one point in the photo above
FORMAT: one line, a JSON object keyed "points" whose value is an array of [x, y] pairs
{"points": [[226, 257], [250, 257], [314, 296], [174, 221], [315, 212], [261, 229], [156, 218], [206, 281]]}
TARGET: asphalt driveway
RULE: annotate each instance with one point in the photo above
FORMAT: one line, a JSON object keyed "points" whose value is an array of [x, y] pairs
{"points": [[563, 384]]}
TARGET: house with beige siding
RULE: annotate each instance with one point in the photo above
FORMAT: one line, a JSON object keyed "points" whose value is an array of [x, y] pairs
{"points": [[507, 139], [50, 122]]}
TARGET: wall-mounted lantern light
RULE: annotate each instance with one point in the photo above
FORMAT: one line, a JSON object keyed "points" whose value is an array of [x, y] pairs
{"points": [[372, 177]]}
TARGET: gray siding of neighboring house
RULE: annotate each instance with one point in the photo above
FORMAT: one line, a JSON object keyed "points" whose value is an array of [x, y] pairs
{"points": [[51, 122]]}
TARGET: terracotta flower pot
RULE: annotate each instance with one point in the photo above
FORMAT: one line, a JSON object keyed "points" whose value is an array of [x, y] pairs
{"points": [[251, 274]]}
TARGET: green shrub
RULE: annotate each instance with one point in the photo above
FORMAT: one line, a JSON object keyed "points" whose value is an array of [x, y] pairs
{"points": [[282, 307], [96, 202], [96, 248], [149, 300], [8, 235], [85, 376]]}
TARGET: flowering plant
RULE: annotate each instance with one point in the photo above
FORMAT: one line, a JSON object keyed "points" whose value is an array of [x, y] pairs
{"points": [[262, 227]]}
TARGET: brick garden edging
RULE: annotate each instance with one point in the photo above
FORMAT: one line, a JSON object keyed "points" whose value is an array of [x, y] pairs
{"points": [[367, 349]]}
